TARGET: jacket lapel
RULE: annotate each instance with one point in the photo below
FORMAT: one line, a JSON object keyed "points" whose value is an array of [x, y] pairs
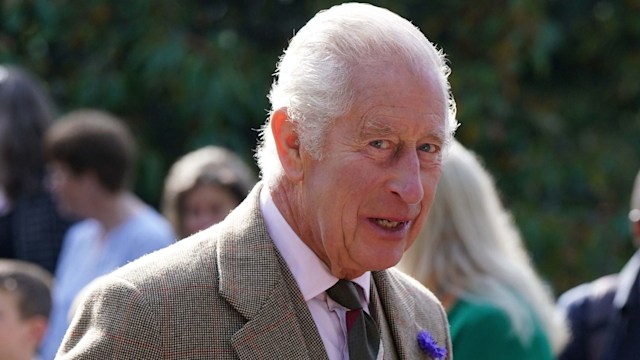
{"points": [[257, 283], [388, 342], [399, 305]]}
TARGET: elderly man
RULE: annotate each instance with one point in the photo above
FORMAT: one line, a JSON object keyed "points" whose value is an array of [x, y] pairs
{"points": [[350, 159]]}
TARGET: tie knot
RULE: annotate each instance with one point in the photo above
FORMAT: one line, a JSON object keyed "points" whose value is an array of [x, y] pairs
{"points": [[345, 293]]}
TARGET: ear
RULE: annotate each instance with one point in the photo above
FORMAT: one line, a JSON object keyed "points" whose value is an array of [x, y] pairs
{"points": [[287, 144], [37, 329]]}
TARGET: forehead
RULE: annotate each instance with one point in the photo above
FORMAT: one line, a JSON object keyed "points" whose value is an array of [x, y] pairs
{"points": [[390, 96]]}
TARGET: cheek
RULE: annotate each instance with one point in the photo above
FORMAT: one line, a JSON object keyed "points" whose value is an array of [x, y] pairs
{"points": [[189, 220], [416, 229], [430, 186], [431, 176]]}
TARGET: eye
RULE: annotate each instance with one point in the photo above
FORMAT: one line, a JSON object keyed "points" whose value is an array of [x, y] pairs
{"points": [[428, 148], [379, 144]]}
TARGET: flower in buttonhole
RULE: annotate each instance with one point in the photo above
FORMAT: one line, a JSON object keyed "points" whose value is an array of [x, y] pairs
{"points": [[429, 345]]}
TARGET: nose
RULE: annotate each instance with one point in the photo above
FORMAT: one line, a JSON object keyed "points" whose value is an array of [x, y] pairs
{"points": [[407, 180]]}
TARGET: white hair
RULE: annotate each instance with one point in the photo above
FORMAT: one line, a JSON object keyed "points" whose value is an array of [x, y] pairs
{"points": [[470, 248], [314, 74]]}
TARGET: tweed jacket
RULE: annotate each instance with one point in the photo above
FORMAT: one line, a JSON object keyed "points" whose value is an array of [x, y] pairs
{"points": [[226, 293]]}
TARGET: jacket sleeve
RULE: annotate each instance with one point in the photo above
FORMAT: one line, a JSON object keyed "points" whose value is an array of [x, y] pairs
{"points": [[114, 321]]}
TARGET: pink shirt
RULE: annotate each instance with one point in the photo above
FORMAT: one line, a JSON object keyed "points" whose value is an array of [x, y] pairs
{"points": [[313, 278]]}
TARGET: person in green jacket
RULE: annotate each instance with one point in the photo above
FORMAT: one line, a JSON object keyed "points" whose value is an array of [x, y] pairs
{"points": [[471, 255]]}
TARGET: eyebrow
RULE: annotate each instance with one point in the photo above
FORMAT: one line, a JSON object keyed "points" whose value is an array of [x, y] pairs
{"points": [[439, 136], [373, 128]]}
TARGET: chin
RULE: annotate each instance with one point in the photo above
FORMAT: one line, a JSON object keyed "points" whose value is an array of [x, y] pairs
{"points": [[384, 263]]}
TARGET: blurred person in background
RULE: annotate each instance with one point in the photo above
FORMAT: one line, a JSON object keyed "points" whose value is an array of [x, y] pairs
{"points": [[31, 227], [91, 158], [25, 303], [202, 187], [471, 255], [605, 314]]}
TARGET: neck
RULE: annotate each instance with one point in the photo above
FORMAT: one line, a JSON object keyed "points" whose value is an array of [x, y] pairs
{"points": [[288, 202], [283, 196]]}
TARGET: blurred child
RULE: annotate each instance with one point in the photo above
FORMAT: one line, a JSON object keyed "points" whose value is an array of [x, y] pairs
{"points": [[25, 302], [203, 187]]}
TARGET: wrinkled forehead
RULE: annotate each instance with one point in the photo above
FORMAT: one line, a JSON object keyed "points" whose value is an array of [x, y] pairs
{"points": [[425, 126], [391, 84]]}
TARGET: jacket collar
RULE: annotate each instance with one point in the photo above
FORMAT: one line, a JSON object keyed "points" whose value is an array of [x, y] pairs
{"points": [[629, 276], [255, 281]]}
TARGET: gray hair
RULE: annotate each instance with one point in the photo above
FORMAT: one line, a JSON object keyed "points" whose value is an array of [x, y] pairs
{"points": [[314, 74], [470, 247]]}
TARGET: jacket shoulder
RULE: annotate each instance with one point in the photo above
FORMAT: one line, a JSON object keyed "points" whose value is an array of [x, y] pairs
{"points": [[411, 287], [595, 297]]}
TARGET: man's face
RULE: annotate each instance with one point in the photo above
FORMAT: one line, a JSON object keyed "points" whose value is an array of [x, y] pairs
{"points": [[366, 199], [70, 190]]}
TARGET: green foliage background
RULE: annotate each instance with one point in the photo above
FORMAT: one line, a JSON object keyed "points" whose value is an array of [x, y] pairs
{"points": [[548, 93]]}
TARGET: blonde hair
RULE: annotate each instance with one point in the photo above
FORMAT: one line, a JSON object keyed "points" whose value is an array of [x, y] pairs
{"points": [[470, 248]]}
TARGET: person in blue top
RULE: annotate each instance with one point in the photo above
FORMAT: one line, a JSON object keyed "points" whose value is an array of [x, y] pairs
{"points": [[91, 157], [471, 255]]}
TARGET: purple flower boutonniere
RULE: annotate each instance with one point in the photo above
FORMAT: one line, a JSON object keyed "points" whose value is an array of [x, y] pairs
{"points": [[429, 345]]}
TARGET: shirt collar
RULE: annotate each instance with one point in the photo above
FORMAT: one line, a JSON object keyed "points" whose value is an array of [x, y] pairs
{"points": [[626, 279], [311, 274]]}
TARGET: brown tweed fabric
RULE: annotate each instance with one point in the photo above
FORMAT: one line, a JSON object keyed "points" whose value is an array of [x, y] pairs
{"points": [[408, 308], [225, 293]]}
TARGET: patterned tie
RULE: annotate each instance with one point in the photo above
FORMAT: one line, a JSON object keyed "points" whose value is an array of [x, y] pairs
{"points": [[362, 333]]}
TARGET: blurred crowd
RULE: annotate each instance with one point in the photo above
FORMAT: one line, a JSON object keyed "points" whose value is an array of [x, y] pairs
{"points": [[68, 214]]}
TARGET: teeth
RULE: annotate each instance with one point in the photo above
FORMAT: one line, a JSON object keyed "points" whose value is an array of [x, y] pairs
{"points": [[388, 223]]}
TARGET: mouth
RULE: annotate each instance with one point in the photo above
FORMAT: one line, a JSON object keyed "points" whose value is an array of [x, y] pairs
{"points": [[390, 224]]}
